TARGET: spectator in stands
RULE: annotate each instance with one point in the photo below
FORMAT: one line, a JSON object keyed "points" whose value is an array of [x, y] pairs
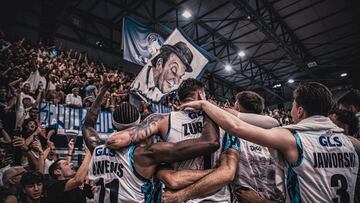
{"points": [[59, 95], [91, 89], [65, 188], [11, 179], [6, 196], [33, 187], [7, 104], [5, 161], [74, 100]]}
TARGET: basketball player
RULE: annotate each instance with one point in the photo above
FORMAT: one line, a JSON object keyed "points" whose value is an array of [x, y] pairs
{"points": [[124, 175], [321, 162], [217, 181], [257, 170]]}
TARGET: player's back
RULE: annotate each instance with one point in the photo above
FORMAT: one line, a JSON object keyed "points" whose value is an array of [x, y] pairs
{"points": [[326, 171], [186, 125], [115, 176]]}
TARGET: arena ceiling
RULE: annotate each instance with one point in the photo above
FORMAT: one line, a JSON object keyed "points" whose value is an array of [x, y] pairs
{"points": [[303, 40]]}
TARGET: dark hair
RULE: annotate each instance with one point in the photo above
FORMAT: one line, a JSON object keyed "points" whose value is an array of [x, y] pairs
{"points": [[188, 87], [351, 98], [164, 54], [126, 113], [315, 98], [251, 102], [348, 118], [53, 167], [30, 178]]}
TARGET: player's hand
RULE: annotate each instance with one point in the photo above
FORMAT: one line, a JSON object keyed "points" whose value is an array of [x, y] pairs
{"points": [[118, 140], [197, 105], [172, 197], [248, 196]]}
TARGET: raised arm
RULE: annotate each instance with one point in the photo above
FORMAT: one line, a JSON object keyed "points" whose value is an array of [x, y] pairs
{"points": [[213, 182], [281, 139], [89, 133]]}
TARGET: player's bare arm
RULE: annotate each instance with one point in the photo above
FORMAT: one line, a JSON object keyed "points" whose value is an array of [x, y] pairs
{"points": [[90, 135], [179, 179], [220, 177], [153, 155], [281, 139], [147, 128]]}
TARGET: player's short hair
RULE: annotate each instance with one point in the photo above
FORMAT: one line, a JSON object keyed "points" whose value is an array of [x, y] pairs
{"points": [[251, 102], [30, 178], [315, 98], [351, 98], [348, 118], [124, 115], [188, 87]]}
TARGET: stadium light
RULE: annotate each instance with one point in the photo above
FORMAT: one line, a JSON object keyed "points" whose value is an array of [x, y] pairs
{"points": [[291, 81], [228, 67], [241, 53], [186, 14], [343, 75], [277, 86]]}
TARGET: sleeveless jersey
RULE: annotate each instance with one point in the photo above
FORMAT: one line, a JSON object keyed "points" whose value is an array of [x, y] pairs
{"points": [[326, 170], [258, 170], [115, 176], [188, 125]]}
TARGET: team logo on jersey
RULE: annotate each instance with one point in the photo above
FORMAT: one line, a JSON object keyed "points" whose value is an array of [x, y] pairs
{"points": [[192, 128]]}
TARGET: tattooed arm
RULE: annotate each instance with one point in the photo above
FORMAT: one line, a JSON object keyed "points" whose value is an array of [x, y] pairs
{"points": [[90, 135], [154, 124]]}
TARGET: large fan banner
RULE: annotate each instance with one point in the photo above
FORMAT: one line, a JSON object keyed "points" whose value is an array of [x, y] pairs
{"points": [[139, 42], [70, 120], [177, 59]]}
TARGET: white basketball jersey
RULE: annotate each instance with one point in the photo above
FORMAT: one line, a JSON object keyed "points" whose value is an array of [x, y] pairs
{"points": [[188, 125], [257, 170], [115, 177], [326, 171]]}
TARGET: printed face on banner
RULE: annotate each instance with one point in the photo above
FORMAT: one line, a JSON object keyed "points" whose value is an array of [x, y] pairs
{"points": [[176, 61]]}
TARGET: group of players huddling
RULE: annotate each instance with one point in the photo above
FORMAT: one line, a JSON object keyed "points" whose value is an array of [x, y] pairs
{"points": [[203, 153]]}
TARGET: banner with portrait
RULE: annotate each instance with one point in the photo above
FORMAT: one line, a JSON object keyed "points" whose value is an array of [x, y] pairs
{"points": [[178, 59], [69, 121], [139, 42]]}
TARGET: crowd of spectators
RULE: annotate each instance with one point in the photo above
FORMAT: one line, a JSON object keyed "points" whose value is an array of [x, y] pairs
{"points": [[31, 74]]}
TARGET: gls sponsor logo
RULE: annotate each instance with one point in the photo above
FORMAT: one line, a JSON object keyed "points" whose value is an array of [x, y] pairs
{"points": [[330, 141], [104, 151]]}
